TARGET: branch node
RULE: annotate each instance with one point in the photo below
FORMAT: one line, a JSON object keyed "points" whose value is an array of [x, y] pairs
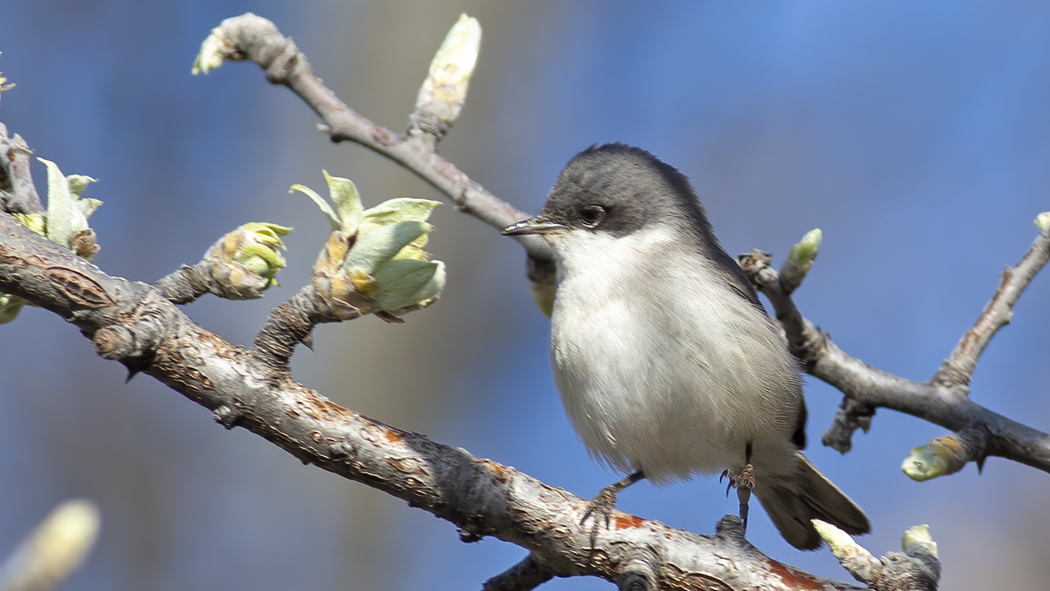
{"points": [[642, 570], [852, 415], [113, 342], [227, 416], [133, 341], [468, 535], [730, 528], [900, 572]]}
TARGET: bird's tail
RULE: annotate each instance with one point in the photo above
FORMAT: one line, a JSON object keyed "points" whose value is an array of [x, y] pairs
{"points": [[795, 496]]}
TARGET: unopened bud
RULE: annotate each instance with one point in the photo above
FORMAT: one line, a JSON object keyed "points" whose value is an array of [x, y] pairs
{"points": [[917, 539], [800, 260], [213, 52], [853, 557], [245, 262], [445, 89], [57, 547], [939, 457]]}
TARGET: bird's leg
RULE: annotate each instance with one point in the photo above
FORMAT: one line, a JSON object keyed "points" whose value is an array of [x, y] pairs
{"points": [[603, 504], [744, 482]]}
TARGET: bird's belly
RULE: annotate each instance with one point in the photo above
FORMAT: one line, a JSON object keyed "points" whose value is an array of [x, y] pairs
{"points": [[667, 412]]}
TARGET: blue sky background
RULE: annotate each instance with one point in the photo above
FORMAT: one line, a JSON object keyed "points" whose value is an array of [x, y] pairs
{"points": [[915, 135]]}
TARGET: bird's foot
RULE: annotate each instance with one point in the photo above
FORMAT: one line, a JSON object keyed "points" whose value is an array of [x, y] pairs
{"points": [[744, 483], [602, 505], [744, 479]]}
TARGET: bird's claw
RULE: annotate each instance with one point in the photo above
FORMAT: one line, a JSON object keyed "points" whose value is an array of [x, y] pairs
{"points": [[744, 483], [601, 506], [742, 480]]}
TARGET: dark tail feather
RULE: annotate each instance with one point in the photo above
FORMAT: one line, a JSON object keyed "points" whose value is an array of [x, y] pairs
{"points": [[792, 499]]}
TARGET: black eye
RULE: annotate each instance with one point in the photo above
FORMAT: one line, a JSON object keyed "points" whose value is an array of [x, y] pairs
{"points": [[592, 215]]}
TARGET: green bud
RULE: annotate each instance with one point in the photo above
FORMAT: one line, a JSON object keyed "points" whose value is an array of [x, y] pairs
{"points": [[245, 262], [805, 252], [800, 259], [917, 538], [374, 260], [934, 459]]}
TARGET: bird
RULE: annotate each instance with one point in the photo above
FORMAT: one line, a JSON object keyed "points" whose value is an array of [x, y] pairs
{"points": [[666, 362]]}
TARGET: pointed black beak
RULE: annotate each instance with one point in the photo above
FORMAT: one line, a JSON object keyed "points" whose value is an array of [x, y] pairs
{"points": [[536, 225]]}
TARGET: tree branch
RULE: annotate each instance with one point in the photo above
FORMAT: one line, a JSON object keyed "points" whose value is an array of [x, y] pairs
{"points": [[245, 389], [867, 388]]}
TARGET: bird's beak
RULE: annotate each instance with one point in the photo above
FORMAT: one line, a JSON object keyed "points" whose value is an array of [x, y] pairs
{"points": [[536, 225]]}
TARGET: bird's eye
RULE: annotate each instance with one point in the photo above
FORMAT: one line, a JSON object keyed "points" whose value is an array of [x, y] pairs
{"points": [[592, 215]]}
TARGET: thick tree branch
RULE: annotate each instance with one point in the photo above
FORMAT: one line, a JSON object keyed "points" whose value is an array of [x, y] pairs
{"points": [[483, 498]]}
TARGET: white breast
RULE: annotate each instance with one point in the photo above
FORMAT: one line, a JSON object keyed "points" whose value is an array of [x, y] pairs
{"points": [[655, 359]]}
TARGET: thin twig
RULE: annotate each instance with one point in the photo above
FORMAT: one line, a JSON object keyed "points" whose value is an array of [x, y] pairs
{"points": [[957, 370]]}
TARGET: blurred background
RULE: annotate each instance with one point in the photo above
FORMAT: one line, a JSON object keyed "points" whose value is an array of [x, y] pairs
{"points": [[916, 135]]}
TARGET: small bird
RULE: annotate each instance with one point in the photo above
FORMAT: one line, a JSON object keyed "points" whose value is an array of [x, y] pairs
{"points": [[666, 362]]}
